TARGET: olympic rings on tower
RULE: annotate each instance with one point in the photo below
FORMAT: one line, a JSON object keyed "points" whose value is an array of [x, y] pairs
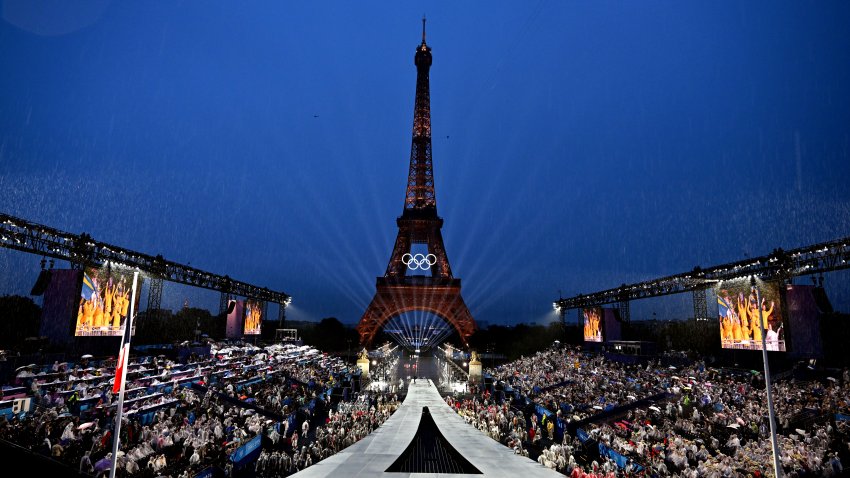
{"points": [[418, 261]]}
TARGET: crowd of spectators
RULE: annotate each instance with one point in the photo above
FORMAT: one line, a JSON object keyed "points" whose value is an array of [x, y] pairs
{"points": [[688, 421], [351, 422], [499, 422], [180, 419]]}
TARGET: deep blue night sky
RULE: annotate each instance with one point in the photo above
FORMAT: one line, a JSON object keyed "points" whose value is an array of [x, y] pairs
{"points": [[577, 146]]}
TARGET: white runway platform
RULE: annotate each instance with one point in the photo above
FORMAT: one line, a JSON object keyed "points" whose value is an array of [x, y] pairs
{"points": [[375, 453]]}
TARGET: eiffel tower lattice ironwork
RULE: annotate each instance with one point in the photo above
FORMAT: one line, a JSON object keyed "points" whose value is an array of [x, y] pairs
{"points": [[397, 291]]}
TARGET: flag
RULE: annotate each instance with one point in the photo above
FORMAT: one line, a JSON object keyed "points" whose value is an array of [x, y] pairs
{"points": [[124, 352], [121, 374], [88, 289], [123, 356]]}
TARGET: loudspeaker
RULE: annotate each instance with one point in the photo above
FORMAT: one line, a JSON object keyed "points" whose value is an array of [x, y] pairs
{"points": [[231, 304], [821, 300], [41, 283]]}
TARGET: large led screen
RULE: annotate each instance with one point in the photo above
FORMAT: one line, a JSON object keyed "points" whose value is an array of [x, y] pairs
{"points": [[253, 317], [105, 301], [738, 314], [592, 324]]}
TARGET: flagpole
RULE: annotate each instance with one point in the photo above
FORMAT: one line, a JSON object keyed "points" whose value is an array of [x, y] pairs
{"points": [[771, 415], [126, 360]]}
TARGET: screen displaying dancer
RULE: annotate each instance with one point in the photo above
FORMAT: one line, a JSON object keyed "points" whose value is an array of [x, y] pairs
{"points": [[104, 301], [592, 324], [253, 317], [738, 315]]}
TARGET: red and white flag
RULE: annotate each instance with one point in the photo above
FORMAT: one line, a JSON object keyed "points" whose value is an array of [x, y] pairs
{"points": [[124, 352], [123, 356], [121, 374]]}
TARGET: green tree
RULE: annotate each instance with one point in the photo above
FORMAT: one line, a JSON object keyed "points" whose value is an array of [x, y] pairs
{"points": [[20, 318]]}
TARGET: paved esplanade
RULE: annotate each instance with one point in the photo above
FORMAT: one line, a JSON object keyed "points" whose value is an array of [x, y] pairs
{"points": [[372, 455]]}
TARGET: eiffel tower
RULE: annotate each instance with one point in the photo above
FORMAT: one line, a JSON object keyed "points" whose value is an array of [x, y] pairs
{"points": [[399, 292]]}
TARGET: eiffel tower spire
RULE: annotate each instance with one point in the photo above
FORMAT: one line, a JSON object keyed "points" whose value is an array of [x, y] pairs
{"points": [[420, 179]]}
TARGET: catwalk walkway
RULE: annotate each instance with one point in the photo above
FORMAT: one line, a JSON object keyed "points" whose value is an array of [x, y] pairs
{"points": [[382, 449]]}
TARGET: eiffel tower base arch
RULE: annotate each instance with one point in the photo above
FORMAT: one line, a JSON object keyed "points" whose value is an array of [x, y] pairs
{"points": [[395, 297]]}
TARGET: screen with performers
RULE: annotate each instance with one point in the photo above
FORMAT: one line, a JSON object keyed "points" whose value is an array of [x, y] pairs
{"points": [[253, 317], [105, 301], [738, 313], [592, 324]]}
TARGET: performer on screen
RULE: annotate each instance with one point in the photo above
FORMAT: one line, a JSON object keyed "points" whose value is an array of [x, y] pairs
{"points": [[591, 326], [767, 313], [118, 299], [724, 306], [118, 294], [107, 300], [253, 320], [737, 335], [746, 330], [773, 338], [125, 300], [98, 310], [754, 317], [86, 313]]}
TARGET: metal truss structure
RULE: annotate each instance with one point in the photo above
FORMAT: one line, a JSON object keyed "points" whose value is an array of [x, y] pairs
{"points": [[700, 305], [438, 292], [779, 265], [625, 309], [83, 250], [155, 296]]}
